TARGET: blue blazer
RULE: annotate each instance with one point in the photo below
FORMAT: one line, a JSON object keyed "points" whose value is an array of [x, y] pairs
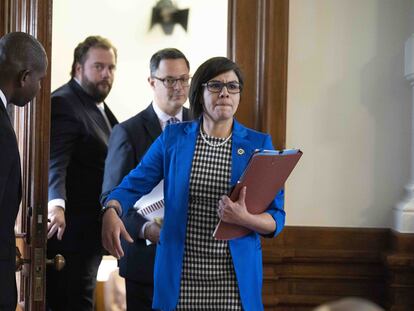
{"points": [[170, 158], [128, 143]]}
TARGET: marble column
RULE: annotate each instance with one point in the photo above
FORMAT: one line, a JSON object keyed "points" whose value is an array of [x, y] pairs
{"points": [[403, 212]]}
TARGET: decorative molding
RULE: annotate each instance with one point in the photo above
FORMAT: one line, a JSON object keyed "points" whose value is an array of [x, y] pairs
{"points": [[32, 124], [307, 266], [258, 42], [399, 263], [403, 212]]}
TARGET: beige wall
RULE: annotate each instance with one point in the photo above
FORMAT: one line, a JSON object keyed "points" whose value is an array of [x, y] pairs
{"points": [[349, 110], [127, 26], [349, 106]]}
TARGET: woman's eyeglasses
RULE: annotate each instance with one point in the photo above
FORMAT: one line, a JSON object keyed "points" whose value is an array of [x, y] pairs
{"points": [[233, 87]]}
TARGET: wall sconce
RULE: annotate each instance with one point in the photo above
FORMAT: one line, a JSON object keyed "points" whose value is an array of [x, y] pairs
{"points": [[167, 15]]}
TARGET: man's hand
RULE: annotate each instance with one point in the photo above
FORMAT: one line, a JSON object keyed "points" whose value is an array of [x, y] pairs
{"points": [[112, 229], [152, 232], [56, 222]]}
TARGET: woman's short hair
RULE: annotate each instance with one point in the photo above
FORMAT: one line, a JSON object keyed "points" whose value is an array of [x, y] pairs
{"points": [[79, 55], [208, 70]]}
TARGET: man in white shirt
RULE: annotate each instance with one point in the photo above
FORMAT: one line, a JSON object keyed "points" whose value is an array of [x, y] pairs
{"points": [[23, 64], [169, 79]]}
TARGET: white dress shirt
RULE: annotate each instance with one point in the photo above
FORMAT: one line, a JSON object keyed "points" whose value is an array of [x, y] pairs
{"points": [[163, 117], [3, 98]]}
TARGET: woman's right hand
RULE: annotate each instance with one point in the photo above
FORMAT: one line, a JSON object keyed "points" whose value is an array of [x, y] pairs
{"points": [[112, 229]]}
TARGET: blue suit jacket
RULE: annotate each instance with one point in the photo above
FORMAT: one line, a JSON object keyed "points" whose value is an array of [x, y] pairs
{"points": [[170, 157]]}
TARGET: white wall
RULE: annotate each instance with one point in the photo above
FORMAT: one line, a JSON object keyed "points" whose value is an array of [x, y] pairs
{"points": [[349, 105], [349, 110], [126, 23]]}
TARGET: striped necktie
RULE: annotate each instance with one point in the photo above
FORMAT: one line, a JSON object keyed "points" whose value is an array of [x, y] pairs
{"points": [[172, 120]]}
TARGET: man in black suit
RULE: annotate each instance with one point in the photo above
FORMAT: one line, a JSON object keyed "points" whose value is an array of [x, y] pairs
{"points": [[80, 127], [23, 64], [129, 141]]}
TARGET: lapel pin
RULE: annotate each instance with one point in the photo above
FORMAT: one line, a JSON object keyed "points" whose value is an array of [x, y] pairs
{"points": [[240, 151]]}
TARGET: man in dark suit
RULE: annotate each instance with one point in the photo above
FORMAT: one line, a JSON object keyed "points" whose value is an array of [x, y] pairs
{"points": [[128, 143], [80, 127], [23, 64]]}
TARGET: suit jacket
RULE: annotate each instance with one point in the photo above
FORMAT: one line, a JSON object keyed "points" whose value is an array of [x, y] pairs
{"points": [[128, 143], [78, 147], [170, 157], [10, 195]]}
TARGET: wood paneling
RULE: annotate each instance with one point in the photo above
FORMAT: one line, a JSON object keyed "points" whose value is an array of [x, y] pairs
{"points": [[274, 46], [399, 262], [4, 17], [308, 266]]}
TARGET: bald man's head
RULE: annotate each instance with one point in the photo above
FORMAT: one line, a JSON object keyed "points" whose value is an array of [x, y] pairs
{"points": [[23, 63]]}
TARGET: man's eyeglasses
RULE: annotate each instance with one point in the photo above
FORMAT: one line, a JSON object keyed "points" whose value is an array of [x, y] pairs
{"points": [[171, 82], [233, 87]]}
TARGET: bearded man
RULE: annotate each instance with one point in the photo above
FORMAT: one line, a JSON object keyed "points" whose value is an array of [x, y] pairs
{"points": [[81, 124]]}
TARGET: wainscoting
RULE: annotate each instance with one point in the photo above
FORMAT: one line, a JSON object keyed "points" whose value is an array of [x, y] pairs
{"points": [[307, 266]]}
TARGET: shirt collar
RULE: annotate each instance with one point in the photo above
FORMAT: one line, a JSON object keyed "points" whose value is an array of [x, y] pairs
{"points": [[77, 81], [101, 106], [165, 117], [3, 98]]}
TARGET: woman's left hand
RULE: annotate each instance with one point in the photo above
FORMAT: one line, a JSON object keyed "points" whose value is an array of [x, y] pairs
{"points": [[234, 212]]}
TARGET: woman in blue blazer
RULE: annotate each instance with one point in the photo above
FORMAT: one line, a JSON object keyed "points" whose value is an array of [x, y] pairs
{"points": [[199, 161]]}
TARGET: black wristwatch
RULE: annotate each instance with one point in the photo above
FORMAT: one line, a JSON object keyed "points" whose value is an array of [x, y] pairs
{"points": [[107, 207]]}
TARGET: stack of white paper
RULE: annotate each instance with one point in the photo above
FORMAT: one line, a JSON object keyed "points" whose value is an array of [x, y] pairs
{"points": [[151, 206]]}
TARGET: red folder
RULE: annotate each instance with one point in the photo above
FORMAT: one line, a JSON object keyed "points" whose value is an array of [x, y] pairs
{"points": [[264, 176]]}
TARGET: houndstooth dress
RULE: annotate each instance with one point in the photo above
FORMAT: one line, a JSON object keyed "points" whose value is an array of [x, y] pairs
{"points": [[208, 280]]}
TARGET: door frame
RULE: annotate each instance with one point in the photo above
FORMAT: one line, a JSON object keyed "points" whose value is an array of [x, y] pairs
{"points": [[32, 124], [257, 41]]}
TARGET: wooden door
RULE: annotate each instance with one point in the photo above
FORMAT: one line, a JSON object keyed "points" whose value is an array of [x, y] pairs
{"points": [[258, 42], [32, 124]]}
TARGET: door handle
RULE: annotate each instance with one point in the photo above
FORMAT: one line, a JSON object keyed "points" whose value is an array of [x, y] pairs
{"points": [[20, 261], [58, 262]]}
